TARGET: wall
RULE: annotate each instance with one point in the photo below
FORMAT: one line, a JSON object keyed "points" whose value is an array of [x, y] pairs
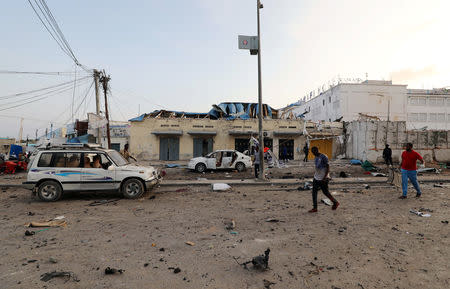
{"points": [[5, 144], [428, 108], [366, 141]]}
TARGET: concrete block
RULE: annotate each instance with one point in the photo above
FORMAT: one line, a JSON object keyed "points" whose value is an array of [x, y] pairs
{"points": [[442, 155]]}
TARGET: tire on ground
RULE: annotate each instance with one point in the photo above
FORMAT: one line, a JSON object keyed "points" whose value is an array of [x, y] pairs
{"points": [[132, 189], [201, 167], [49, 191]]}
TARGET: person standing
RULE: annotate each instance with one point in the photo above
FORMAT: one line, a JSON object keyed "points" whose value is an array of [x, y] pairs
{"points": [[126, 153], [306, 151], [320, 181], [387, 155], [256, 161], [408, 167], [284, 153]]}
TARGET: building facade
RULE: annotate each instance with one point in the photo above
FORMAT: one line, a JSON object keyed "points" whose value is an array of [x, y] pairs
{"points": [[378, 100], [184, 138]]}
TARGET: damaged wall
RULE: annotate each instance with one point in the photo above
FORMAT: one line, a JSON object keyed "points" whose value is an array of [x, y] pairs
{"points": [[366, 141]]}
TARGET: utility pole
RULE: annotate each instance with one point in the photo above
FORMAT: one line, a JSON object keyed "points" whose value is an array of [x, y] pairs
{"points": [[97, 104], [260, 108], [104, 80], [36, 134], [21, 130]]}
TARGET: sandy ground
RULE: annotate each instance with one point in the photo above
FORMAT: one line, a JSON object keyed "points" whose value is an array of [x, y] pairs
{"points": [[371, 241]]}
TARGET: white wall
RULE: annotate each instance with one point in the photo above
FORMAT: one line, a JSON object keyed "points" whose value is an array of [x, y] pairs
{"points": [[428, 108]]}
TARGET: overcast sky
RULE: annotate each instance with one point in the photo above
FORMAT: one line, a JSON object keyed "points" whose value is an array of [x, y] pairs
{"points": [[183, 55]]}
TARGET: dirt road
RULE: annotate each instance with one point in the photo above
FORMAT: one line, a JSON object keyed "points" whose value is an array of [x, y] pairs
{"points": [[371, 241]]}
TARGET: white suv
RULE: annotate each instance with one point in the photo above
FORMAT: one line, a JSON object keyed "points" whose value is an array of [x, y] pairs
{"points": [[79, 167]]}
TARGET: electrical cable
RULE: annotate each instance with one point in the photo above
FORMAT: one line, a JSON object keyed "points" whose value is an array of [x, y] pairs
{"points": [[62, 73], [40, 89]]}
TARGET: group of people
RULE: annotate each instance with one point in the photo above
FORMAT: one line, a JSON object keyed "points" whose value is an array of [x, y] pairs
{"points": [[408, 167]]}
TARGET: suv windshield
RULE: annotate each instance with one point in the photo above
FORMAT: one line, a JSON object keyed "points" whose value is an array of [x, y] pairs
{"points": [[118, 158]]}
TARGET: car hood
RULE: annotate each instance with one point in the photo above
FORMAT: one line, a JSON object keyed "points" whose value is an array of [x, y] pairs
{"points": [[137, 168]]}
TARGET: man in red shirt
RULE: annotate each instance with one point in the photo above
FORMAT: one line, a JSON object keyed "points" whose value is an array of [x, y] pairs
{"points": [[408, 167]]}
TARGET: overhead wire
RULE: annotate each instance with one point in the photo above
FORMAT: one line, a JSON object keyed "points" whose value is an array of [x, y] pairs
{"points": [[59, 73]]}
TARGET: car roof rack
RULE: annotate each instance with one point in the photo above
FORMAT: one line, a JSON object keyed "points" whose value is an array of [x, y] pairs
{"points": [[72, 146]]}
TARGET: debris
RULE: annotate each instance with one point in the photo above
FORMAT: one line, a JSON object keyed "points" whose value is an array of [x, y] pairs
{"points": [[32, 261], [378, 174], [234, 233], [59, 218], [368, 166], [342, 229], [52, 260], [355, 162], [110, 271], [426, 210], [271, 220], [220, 187], [162, 249], [334, 193], [30, 214], [153, 245], [173, 166], [152, 197], [50, 223], [287, 177], [146, 264], [343, 175], [29, 233], [260, 262], [428, 170], [306, 187], [190, 243], [50, 275], [202, 179], [177, 270], [230, 225], [102, 202], [268, 283], [444, 222], [366, 186], [418, 213], [327, 202]]}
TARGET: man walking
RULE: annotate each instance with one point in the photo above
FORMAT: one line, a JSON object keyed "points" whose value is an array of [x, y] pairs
{"points": [[408, 167], [387, 155], [306, 151], [256, 162], [322, 168]]}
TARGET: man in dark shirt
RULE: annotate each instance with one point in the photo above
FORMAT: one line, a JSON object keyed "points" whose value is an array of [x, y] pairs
{"points": [[387, 155], [306, 152]]}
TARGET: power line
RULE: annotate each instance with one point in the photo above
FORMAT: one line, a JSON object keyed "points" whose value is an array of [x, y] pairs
{"points": [[40, 89], [59, 73]]}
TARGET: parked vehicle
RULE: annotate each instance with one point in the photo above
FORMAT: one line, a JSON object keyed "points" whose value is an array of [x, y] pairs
{"points": [[79, 167], [221, 160]]}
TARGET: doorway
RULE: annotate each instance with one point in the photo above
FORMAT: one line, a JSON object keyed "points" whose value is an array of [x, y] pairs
{"points": [[202, 146], [169, 148]]}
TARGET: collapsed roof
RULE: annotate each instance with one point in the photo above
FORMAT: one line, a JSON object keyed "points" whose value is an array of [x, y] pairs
{"points": [[224, 110]]}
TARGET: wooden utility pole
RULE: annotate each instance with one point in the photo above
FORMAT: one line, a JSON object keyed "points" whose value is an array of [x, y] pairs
{"points": [[260, 105], [104, 80], [97, 105]]}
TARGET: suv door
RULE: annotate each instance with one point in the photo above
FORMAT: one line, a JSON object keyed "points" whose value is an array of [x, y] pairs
{"points": [[211, 161], [97, 177], [65, 167]]}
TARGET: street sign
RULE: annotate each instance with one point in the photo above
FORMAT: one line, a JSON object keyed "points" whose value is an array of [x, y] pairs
{"points": [[248, 42]]}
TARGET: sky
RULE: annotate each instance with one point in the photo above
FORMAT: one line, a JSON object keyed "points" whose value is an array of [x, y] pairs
{"points": [[183, 55]]}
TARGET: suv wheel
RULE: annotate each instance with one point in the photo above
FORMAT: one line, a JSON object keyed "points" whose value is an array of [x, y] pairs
{"points": [[49, 191], [240, 167], [132, 189], [200, 167]]}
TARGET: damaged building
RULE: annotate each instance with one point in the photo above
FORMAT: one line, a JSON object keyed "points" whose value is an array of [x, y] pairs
{"points": [[177, 135]]}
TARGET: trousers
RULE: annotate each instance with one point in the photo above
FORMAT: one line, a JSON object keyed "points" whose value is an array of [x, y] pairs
{"points": [[412, 176], [323, 185]]}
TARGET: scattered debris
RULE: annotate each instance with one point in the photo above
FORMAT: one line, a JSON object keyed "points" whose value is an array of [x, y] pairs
{"points": [[272, 220], [220, 187], [444, 222], [30, 214], [260, 262], [230, 225], [306, 187], [418, 213], [366, 186], [29, 233], [102, 202], [327, 202], [50, 223], [173, 166], [268, 283], [162, 249], [441, 185], [176, 270], [152, 197], [234, 233], [428, 170], [202, 179], [50, 275], [52, 260], [190, 243], [378, 174], [146, 265], [426, 210], [110, 271], [342, 229], [343, 175]]}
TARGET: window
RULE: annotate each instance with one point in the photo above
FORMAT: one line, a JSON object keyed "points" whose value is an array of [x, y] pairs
{"points": [[73, 160], [329, 99], [435, 101], [419, 117], [323, 102], [422, 117], [96, 161], [437, 117], [45, 160], [417, 100]]}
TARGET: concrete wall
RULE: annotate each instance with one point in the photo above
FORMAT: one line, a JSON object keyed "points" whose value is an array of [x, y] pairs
{"points": [[145, 144], [366, 141]]}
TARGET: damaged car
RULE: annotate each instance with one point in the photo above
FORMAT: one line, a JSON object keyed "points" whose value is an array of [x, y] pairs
{"points": [[221, 160]]}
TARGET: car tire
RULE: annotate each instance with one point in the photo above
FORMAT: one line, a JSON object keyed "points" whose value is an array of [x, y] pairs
{"points": [[201, 167], [49, 191], [133, 189], [240, 167]]}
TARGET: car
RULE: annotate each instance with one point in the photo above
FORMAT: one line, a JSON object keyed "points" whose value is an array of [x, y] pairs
{"points": [[221, 159], [54, 170]]}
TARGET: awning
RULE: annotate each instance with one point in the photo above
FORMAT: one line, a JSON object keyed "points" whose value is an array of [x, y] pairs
{"points": [[297, 133], [169, 132], [202, 132], [234, 132]]}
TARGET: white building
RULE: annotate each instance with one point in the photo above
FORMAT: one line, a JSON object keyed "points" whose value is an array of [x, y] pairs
{"points": [[377, 99]]}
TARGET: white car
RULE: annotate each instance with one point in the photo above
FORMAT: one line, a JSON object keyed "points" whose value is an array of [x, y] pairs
{"points": [[77, 167], [221, 159]]}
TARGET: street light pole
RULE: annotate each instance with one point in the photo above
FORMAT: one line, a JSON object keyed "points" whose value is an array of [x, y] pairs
{"points": [[260, 108]]}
